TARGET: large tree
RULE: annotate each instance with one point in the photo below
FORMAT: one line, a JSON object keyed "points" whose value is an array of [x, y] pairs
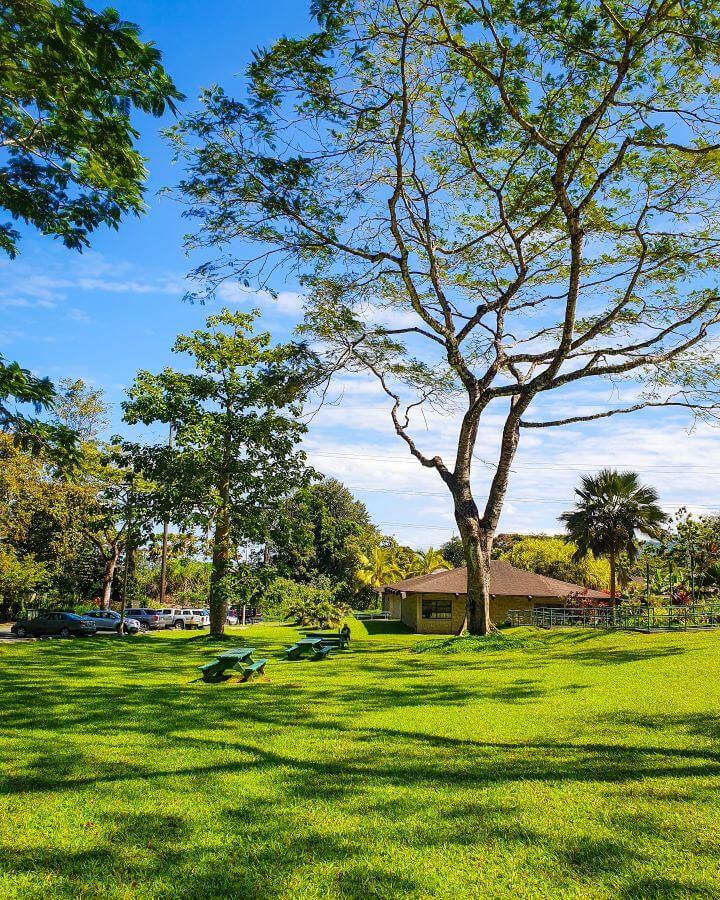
{"points": [[488, 203], [323, 530], [235, 459]]}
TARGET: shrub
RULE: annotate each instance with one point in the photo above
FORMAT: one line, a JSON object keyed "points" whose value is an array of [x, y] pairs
{"points": [[315, 604]]}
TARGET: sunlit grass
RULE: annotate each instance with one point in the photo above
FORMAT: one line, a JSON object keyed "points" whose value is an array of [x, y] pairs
{"points": [[574, 764]]}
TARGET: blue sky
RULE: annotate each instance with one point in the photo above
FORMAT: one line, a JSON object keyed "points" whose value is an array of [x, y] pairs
{"points": [[106, 313]]}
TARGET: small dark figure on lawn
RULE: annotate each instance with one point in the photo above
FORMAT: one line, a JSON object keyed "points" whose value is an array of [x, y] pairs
{"points": [[345, 632]]}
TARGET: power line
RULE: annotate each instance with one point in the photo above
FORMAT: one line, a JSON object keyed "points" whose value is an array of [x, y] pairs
{"points": [[351, 487], [660, 467]]}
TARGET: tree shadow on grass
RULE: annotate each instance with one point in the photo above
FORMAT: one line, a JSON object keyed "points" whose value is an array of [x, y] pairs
{"points": [[306, 752], [613, 656]]}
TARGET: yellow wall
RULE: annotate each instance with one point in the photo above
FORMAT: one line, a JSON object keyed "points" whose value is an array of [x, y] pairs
{"points": [[411, 611]]}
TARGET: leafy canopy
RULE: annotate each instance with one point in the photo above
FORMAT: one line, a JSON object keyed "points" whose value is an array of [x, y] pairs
{"points": [[236, 421], [69, 82]]}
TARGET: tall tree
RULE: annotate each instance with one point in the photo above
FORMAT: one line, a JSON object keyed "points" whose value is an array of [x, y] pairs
{"points": [[81, 408], [488, 203], [613, 507], [322, 531], [235, 459]]}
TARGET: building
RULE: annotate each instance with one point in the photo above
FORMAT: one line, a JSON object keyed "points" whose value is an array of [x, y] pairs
{"points": [[435, 604]]}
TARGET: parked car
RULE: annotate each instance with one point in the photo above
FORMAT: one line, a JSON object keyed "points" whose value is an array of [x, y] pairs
{"points": [[190, 618], [166, 616], [148, 618], [232, 617], [109, 620], [63, 624]]}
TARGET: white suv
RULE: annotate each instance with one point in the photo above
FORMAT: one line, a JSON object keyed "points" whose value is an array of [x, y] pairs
{"points": [[189, 618]]}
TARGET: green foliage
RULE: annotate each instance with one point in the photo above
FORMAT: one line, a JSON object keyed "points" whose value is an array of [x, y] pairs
{"points": [[20, 576], [235, 459], [389, 562], [70, 81], [19, 388], [454, 552], [558, 558], [379, 567], [315, 604], [613, 507], [322, 530], [425, 562]]}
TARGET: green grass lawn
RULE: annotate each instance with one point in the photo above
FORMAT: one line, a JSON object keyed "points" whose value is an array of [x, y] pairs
{"points": [[571, 764]]}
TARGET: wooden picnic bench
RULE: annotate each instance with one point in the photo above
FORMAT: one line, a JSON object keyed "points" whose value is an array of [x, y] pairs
{"points": [[213, 672], [322, 651]]}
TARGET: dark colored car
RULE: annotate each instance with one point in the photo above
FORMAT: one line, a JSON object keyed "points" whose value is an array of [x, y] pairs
{"points": [[109, 620], [148, 618], [63, 624]]}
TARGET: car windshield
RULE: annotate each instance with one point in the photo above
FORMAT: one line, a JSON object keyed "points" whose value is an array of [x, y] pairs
{"points": [[198, 612]]}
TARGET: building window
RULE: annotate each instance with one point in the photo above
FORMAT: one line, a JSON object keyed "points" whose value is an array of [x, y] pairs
{"points": [[437, 609]]}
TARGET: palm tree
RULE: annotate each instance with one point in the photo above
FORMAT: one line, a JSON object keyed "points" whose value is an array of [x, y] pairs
{"points": [[378, 568], [428, 561], [613, 507]]}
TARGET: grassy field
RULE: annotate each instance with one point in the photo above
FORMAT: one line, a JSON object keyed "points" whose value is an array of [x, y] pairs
{"points": [[570, 764]]}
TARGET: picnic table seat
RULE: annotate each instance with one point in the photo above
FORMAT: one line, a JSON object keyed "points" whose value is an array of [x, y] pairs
{"points": [[254, 669], [321, 652], [294, 651]]}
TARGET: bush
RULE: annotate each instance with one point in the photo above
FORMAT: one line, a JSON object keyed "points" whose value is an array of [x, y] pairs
{"points": [[315, 604]]}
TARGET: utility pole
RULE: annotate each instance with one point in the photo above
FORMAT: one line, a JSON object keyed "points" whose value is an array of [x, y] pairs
{"points": [[166, 525]]}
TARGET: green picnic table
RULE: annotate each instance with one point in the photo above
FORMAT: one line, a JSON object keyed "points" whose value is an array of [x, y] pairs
{"points": [[301, 646], [334, 638], [214, 671], [240, 654]]}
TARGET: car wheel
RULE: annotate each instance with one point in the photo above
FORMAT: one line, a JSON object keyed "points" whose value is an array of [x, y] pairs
{"points": [[144, 626], [64, 632], [180, 624], [21, 632]]}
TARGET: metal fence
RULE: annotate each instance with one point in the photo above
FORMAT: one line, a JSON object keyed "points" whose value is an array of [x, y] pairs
{"points": [[635, 618], [372, 615]]}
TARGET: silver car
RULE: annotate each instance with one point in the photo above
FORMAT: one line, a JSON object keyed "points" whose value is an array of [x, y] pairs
{"points": [[109, 620]]}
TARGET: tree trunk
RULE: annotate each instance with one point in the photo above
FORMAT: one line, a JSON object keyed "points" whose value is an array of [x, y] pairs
{"points": [[613, 586], [108, 575], [477, 545], [221, 552]]}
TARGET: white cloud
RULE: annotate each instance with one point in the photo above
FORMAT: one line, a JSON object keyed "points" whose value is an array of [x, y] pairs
{"points": [[289, 303]]}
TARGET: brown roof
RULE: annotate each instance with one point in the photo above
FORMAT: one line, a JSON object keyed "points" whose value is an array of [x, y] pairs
{"points": [[505, 581]]}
